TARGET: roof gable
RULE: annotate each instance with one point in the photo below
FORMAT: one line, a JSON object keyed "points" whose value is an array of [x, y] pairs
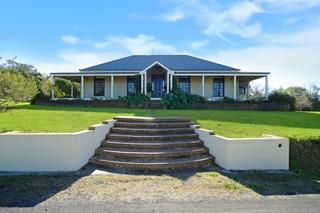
{"points": [[173, 62]]}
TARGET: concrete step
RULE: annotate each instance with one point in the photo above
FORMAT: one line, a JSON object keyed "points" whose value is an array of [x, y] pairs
{"points": [[153, 131], [140, 125], [151, 153], [151, 120], [151, 145], [153, 164], [173, 137]]}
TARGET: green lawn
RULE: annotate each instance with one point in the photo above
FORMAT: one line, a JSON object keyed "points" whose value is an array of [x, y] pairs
{"points": [[28, 118]]}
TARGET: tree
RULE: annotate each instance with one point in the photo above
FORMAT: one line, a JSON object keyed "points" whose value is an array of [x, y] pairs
{"points": [[314, 94], [303, 100], [26, 70], [256, 92], [15, 87], [18, 82]]}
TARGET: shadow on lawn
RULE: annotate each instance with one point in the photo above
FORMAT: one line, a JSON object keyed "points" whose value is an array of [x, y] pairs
{"points": [[31, 190]]}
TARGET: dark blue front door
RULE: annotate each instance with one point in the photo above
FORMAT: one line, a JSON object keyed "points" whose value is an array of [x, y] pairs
{"points": [[157, 83]]}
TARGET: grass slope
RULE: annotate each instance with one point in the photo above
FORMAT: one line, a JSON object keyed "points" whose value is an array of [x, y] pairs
{"points": [[28, 118]]}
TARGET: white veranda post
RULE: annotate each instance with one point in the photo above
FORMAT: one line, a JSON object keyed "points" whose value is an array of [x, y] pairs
{"points": [[266, 87], [81, 87], [141, 84], [71, 89], [202, 85], [235, 87], [171, 81], [52, 87], [168, 82], [111, 89], [145, 83]]}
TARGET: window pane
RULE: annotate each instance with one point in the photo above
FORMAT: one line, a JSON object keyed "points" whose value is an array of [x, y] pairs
{"points": [[218, 87], [98, 87], [184, 84], [131, 88]]}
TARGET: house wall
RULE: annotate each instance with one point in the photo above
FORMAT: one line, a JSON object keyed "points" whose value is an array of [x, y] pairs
{"points": [[196, 85], [50, 152], [119, 82], [228, 86], [120, 86], [88, 87]]}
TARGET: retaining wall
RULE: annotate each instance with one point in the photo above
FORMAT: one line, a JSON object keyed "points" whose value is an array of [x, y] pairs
{"points": [[267, 153], [50, 152]]}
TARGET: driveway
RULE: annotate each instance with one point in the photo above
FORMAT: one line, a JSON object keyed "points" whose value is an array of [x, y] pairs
{"points": [[304, 203]]}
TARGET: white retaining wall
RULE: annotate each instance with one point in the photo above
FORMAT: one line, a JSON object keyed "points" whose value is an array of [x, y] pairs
{"points": [[268, 153], [50, 152]]}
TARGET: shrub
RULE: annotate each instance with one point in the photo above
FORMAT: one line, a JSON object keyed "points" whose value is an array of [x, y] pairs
{"points": [[138, 100], [279, 97], [177, 99], [305, 156]]}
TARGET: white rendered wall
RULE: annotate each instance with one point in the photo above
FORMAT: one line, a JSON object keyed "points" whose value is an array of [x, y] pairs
{"points": [[268, 153], [50, 152]]}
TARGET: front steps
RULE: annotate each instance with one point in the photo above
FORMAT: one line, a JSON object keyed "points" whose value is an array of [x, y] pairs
{"points": [[152, 144], [155, 104]]}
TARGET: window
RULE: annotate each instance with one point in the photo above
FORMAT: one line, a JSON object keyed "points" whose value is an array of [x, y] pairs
{"points": [[98, 86], [243, 88], [131, 87], [218, 87], [184, 84]]}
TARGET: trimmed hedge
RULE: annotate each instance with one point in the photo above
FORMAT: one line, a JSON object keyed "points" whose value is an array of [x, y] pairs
{"points": [[305, 156]]}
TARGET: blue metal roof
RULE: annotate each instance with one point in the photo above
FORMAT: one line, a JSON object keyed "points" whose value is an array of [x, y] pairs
{"points": [[173, 62]]}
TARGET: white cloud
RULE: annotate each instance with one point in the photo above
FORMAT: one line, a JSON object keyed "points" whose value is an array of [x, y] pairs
{"points": [[176, 15], [244, 10], [140, 44], [69, 39], [289, 5], [198, 44], [118, 46], [216, 20], [291, 58]]}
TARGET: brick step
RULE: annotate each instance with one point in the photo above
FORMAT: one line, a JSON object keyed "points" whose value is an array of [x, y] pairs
{"points": [[152, 120], [151, 145], [132, 131], [153, 164], [151, 153], [174, 137], [152, 125]]}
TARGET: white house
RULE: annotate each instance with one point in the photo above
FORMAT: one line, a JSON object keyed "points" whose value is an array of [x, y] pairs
{"points": [[157, 74]]}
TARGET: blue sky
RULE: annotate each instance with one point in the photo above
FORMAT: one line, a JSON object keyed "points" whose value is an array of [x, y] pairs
{"points": [[282, 37]]}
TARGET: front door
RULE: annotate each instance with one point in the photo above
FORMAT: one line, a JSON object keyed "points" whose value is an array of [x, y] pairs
{"points": [[157, 83]]}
